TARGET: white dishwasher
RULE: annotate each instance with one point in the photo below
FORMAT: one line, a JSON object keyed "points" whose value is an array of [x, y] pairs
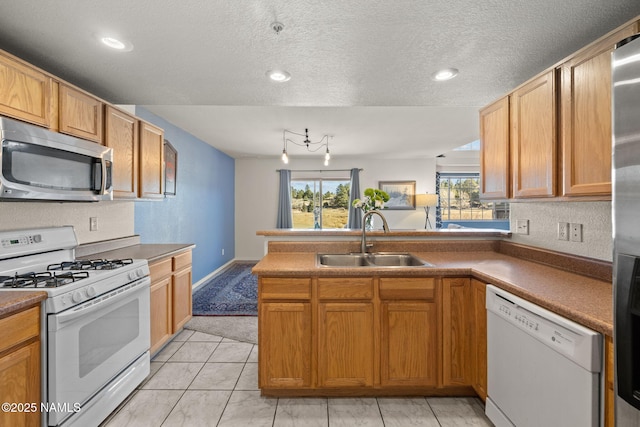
{"points": [[542, 369]]}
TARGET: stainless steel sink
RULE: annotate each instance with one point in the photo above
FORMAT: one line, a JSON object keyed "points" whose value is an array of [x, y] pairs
{"points": [[378, 259]]}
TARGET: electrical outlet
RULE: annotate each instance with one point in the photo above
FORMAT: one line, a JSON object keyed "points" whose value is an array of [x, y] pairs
{"points": [[576, 232], [522, 226], [563, 231], [93, 223], [222, 251]]}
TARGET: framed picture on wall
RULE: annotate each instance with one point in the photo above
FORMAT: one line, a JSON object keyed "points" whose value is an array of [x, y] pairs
{"points": [[402, 194], [170, 169]]}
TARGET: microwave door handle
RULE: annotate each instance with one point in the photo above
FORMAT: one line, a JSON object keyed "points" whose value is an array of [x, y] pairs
{"points": [[103, 180]]}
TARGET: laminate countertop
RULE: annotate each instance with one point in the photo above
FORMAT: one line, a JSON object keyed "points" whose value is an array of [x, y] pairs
{"points": [[151, 252], [14, 301], [585, 300]]}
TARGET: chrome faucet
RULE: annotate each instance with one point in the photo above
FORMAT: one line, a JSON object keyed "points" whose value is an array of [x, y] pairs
{"points": [[385, 227]]}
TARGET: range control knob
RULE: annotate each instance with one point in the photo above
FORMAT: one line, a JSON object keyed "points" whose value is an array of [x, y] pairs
{"points": [[132, 275], [140, 272], [77, 297], [91, 291], [37, 238]]}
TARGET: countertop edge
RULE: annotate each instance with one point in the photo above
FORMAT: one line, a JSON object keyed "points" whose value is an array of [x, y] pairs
{"points": [[12, 302], [150, 251]]}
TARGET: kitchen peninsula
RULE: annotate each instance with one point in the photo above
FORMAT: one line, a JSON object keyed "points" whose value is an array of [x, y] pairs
{"points": [[336, 331]]}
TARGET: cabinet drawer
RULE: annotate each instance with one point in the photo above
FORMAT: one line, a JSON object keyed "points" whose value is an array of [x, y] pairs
{"points": [[19, 327], [181, 261], [285, 288], [345, 288], [408, 288], [160, 269]]}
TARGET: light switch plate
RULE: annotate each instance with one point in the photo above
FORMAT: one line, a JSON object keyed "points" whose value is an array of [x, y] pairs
{"points": [[575, 230], [522, 226], [93, 223]]}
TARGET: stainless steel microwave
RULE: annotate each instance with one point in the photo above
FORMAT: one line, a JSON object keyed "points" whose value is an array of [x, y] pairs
{"points": [[37, 164]]}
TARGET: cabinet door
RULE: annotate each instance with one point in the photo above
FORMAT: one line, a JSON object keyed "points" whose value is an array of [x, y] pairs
{"points": [[457, 312], [409, 344], [80, 114], [151, 184], [586, 118], [121, 134], [285, 344], [25, 93], [533, 138], [20, 379], [181, 297], [160, 313], [494, 152], [345, 344], [479, 353]]}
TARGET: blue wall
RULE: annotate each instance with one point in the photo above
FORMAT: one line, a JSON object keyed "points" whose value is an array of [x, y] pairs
{"points": [[202, 212]]}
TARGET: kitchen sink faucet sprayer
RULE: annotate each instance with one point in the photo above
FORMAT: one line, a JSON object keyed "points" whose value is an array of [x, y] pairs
{"points": [[385, 227]]}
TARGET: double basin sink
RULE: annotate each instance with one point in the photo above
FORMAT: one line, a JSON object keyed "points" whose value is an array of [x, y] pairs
{"points": [[376, 259]]}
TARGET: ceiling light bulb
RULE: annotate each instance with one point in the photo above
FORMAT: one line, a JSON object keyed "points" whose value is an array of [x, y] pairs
{"points": [[119, 45], [445, 74], [327, 156], [326, 161], [279, 76], [285, 158], [113, 43]]}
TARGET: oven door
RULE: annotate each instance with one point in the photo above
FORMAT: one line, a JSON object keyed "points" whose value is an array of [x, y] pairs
{"points": [[90, 344]]}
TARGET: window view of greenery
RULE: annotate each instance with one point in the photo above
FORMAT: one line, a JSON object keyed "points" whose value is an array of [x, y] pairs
{"points": [[320, 203], [460, 200]]}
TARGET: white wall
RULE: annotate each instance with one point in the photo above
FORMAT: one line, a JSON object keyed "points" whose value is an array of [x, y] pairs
{"points": [[543, 217], [115, 218], [257, 192]]}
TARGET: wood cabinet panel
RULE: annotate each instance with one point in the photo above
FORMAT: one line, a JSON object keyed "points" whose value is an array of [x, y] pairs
{"points": [[285, 344], [161, 313], [345, 288], [181, 298], [151, 179], [457, 311], [121, 134], [182, 260], [284, 288], [609, 391], [407, 288], [479, 341], [533, 138], [20, 379], [494, 152], [160, 269], [19, 327], [409, 350], [345, 344], [25, 92], [586, 118], [80, 114]]}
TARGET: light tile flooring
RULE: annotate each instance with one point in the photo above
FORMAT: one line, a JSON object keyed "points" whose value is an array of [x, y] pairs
{"points": [[206, 380]]}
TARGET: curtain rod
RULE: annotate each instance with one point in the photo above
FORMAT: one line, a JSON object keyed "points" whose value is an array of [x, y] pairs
{"points": [[320, 170]]}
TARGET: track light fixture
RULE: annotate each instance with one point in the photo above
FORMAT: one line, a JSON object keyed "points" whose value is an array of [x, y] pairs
{"points": [[310, 146]]}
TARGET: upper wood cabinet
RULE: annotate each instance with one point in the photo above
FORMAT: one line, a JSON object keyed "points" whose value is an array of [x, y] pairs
{"points": [[151, 176], [586, 118], [533, 138], [121, 134], [25, 92], [494, 154], [80, 114]]}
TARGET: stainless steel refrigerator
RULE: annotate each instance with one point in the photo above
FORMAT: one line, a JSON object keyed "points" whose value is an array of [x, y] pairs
{"points": [[626, 229]]}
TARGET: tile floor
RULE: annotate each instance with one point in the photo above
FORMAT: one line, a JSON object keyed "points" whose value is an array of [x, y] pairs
{"points": [[206, 380]]}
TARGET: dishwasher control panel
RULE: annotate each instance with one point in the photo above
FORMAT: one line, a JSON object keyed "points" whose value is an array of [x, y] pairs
{"points": [[563, 335]]}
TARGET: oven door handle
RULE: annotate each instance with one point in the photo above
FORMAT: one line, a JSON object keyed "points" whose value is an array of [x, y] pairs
{"points": [[97, 303]]}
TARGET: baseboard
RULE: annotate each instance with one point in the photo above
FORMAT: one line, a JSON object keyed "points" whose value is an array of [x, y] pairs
{"points": [[219, 270]]}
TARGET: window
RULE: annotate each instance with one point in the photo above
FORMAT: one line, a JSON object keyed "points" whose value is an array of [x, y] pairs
{"points": [[320, 203], [460, 200]]}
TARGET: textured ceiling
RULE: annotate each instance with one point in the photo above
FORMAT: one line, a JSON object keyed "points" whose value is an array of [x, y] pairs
{"points": [[360, 68]]}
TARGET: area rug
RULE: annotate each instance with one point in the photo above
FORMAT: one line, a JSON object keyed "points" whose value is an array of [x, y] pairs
{"points": [[239, 328], [234, 292]]}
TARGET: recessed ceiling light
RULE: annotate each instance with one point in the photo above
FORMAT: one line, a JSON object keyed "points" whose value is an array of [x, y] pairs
{"points": [[278, 76], [116, 44], [446, 74]]}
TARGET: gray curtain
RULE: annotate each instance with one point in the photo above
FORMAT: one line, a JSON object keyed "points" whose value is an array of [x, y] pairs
{"points": [[285, 216], [354, 219]]}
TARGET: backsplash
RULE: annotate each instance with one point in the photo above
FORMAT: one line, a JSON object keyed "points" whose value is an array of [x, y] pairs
{"points": [[115, 218], [543, 217]]}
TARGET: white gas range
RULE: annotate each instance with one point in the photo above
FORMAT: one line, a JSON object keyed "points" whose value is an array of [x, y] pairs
{"points": [[95, 327]]}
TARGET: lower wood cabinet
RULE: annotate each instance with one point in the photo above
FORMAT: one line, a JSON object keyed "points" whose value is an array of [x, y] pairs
{"points": [[457, 334], [609, 391], [171, 279], [20, 366], [479, 341]]}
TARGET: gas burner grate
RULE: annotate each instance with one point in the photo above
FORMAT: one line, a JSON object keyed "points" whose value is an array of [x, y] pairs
{"points": [[93, 264], [41, 280]]}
